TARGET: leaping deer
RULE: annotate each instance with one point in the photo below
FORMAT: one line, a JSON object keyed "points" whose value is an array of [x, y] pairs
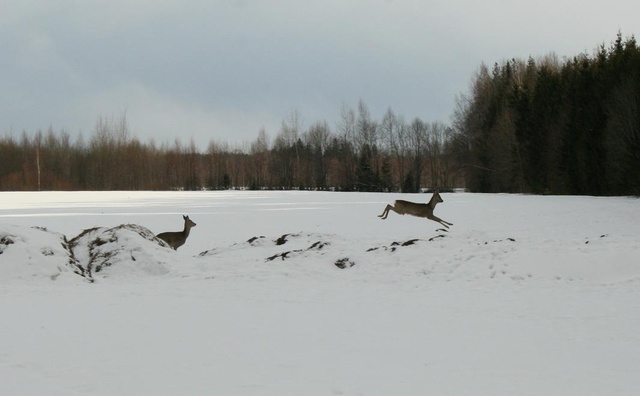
{"points": [[177, 239], [417, 209]]}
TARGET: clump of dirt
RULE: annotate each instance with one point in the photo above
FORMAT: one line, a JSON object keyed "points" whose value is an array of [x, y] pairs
{"points": [[344, 263], [283, 239], [251, 241], [284, 255], [4, 242]]}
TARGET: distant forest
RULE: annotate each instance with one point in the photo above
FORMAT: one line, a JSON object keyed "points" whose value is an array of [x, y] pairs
{"points": [[540, 126]]}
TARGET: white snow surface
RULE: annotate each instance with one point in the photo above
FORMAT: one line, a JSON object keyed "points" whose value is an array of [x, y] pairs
{"points": [[523, 295]]}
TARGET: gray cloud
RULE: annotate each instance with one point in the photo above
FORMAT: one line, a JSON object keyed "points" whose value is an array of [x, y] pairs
{"points": [[221, 70]]}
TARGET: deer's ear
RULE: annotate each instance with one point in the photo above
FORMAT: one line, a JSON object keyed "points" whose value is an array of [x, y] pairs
{"points": [[185, 217]]}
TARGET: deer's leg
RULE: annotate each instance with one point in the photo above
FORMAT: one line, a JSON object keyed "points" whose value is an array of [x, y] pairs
{"points": [[439, 220], [385, 213]]}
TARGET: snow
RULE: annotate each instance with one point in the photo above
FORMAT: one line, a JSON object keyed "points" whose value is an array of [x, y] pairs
{"points": [[289, 293]]}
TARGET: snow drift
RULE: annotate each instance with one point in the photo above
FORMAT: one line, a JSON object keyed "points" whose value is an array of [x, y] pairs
{"points": [[132, 251], [35, 254]]}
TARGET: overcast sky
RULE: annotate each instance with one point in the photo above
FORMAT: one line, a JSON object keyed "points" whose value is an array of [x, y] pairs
{"points": [[222, 70]]}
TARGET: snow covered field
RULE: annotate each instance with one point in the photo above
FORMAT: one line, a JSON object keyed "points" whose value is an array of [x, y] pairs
{"points": [[523, 295]]}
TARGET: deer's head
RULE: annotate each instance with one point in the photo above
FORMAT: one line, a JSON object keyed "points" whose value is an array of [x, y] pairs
{"points": [[187, 222], [436, 196]]}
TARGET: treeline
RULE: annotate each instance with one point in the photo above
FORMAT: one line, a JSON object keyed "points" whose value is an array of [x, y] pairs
{"points": [[545, 126], [361, 154], [535, 126]]}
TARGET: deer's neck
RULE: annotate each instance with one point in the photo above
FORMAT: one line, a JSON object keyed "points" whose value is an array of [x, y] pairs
{"points": [[186, 230], [432, 203]]}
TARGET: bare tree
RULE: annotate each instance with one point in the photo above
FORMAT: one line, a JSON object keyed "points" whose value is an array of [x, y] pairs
{"points": [[438, 138], [347, 141], [318, 139], [289, 137], [394, 135], [260, 152], [418, 141], [366, 128]]}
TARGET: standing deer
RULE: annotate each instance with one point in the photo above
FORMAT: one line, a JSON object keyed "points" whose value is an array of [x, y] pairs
{"points": [[417, 209], [177, 239]]}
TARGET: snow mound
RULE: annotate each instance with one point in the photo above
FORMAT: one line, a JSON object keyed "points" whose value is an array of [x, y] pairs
{"points": [[131, 251], [128, 250], [35, 253]]}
